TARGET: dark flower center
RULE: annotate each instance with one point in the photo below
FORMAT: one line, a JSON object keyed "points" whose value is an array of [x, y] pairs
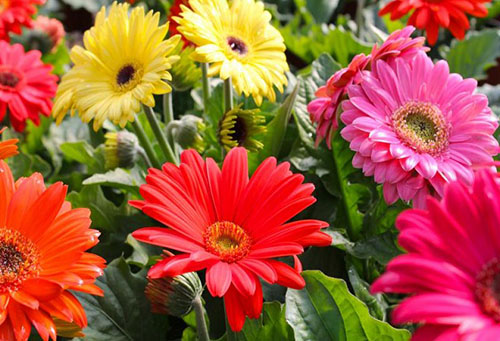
{"points": [[488, 289], [228, 241], [10, 259], [240, 131], [237, 45], [125, 75], [8, 79]]}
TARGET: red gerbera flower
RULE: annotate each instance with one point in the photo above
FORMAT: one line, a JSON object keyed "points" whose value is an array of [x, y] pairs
{"points": [[42, 244], [432, 14], [175, 11], [14, 14], [8, 148], [26, 85], [232, 226]]}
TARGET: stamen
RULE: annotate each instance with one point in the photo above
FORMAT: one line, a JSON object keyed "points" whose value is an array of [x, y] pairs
{"points": [[237, 45], [488, 289], [422, 126], [18, 259], [8, 79], [228, 241], [240, 131]]}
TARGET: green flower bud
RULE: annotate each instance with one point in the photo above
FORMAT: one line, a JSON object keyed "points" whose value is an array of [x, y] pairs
{"points": [[187, 132], [121, 149], [185, 73], [238, 128], [34, 40], [173, 295]]}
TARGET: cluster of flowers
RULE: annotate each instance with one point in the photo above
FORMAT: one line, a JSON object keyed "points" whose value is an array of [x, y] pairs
{"points": [[414, 126]]}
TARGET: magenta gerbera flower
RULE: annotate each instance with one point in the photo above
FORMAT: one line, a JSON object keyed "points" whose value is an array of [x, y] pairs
{"points": [[415, 127], [453, 266], [323, 109]]}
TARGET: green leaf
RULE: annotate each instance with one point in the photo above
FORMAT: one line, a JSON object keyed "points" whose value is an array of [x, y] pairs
{"points": [[105, 214], [59, 58], [375, 303], [326, 310], [117, 178], [123, 314], [84, 153], [322, 10], [276, 129], [472, 56]]}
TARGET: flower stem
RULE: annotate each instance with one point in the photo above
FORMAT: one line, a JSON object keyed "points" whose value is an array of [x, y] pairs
{"points": [[168, 108], [160, 135], [141, 135], [228, 95], [359, 17], [230, 335], [144, 156], [201, 325], [205, 86]]}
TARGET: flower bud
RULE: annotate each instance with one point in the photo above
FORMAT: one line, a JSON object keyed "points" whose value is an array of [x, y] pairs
{"points": [[239, 127], [121, 149], [53, 28], [187, 132], [185, 72], [173, 295]]}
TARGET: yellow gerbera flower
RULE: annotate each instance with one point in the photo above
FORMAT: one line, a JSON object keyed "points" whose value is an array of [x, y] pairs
{"points": [[239, 42], [124, 63]]}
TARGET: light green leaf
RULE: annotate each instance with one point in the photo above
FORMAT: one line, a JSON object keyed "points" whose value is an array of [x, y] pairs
{"points": [[326, 310], [84, 153], [117, 178], [472, 56], [322, 10]]}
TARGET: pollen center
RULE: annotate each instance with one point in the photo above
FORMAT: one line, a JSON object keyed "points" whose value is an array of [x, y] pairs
{"points": [[488, 289], [8, 79], [421, 126], [237, 45], [128, 77], [18, 259], [228, 241], [240, 131]]}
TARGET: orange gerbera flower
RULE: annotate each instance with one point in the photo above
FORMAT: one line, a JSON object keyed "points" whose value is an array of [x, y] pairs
{"points": [[8, 148], [42, 244], [432, 14]]}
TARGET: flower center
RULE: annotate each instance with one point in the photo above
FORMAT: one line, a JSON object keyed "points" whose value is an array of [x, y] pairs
{"points": [[228, 241], [237, 45], [488, 289], [8, 79], [240, 131], [18, 259], [422, 127], [128, 77]]}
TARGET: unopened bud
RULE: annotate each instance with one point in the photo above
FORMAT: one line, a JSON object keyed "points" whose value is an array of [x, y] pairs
{"points": [[121, 149], [188, 132]]}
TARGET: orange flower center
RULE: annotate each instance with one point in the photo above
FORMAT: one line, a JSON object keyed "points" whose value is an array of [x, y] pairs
{"points": [[228, 241], [422, 127], [19, 259]]}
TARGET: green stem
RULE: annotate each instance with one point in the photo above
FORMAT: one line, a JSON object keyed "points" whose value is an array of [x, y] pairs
{"points": [[205, 85], [168, 108], [144, 156], [230, 335], [228, 95], [359, 17], [201, 325], [141, 135], [160, 135]]}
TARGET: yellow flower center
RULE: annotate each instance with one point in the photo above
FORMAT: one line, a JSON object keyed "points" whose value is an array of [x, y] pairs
{"points": [[128, 76], [228, 241], [19, 259], [422, 127], [237, 46], [488, 289]]}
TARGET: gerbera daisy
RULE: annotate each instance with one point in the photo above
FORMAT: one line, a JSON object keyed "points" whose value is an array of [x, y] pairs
{"points": [[26, 85], [324, 108], [52, 27], [124, 63], [8, 148], [239, 127], [415, 127], [239, 42], [14, 14], [432, 14], [42, 256], [232, 226], [452, 266]]}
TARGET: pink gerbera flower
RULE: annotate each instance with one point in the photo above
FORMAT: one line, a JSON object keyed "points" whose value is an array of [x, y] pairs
{"points": [[415, 127], [232, 226], [324, 108], [26, 85], [452, 268], [14, 14]]}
